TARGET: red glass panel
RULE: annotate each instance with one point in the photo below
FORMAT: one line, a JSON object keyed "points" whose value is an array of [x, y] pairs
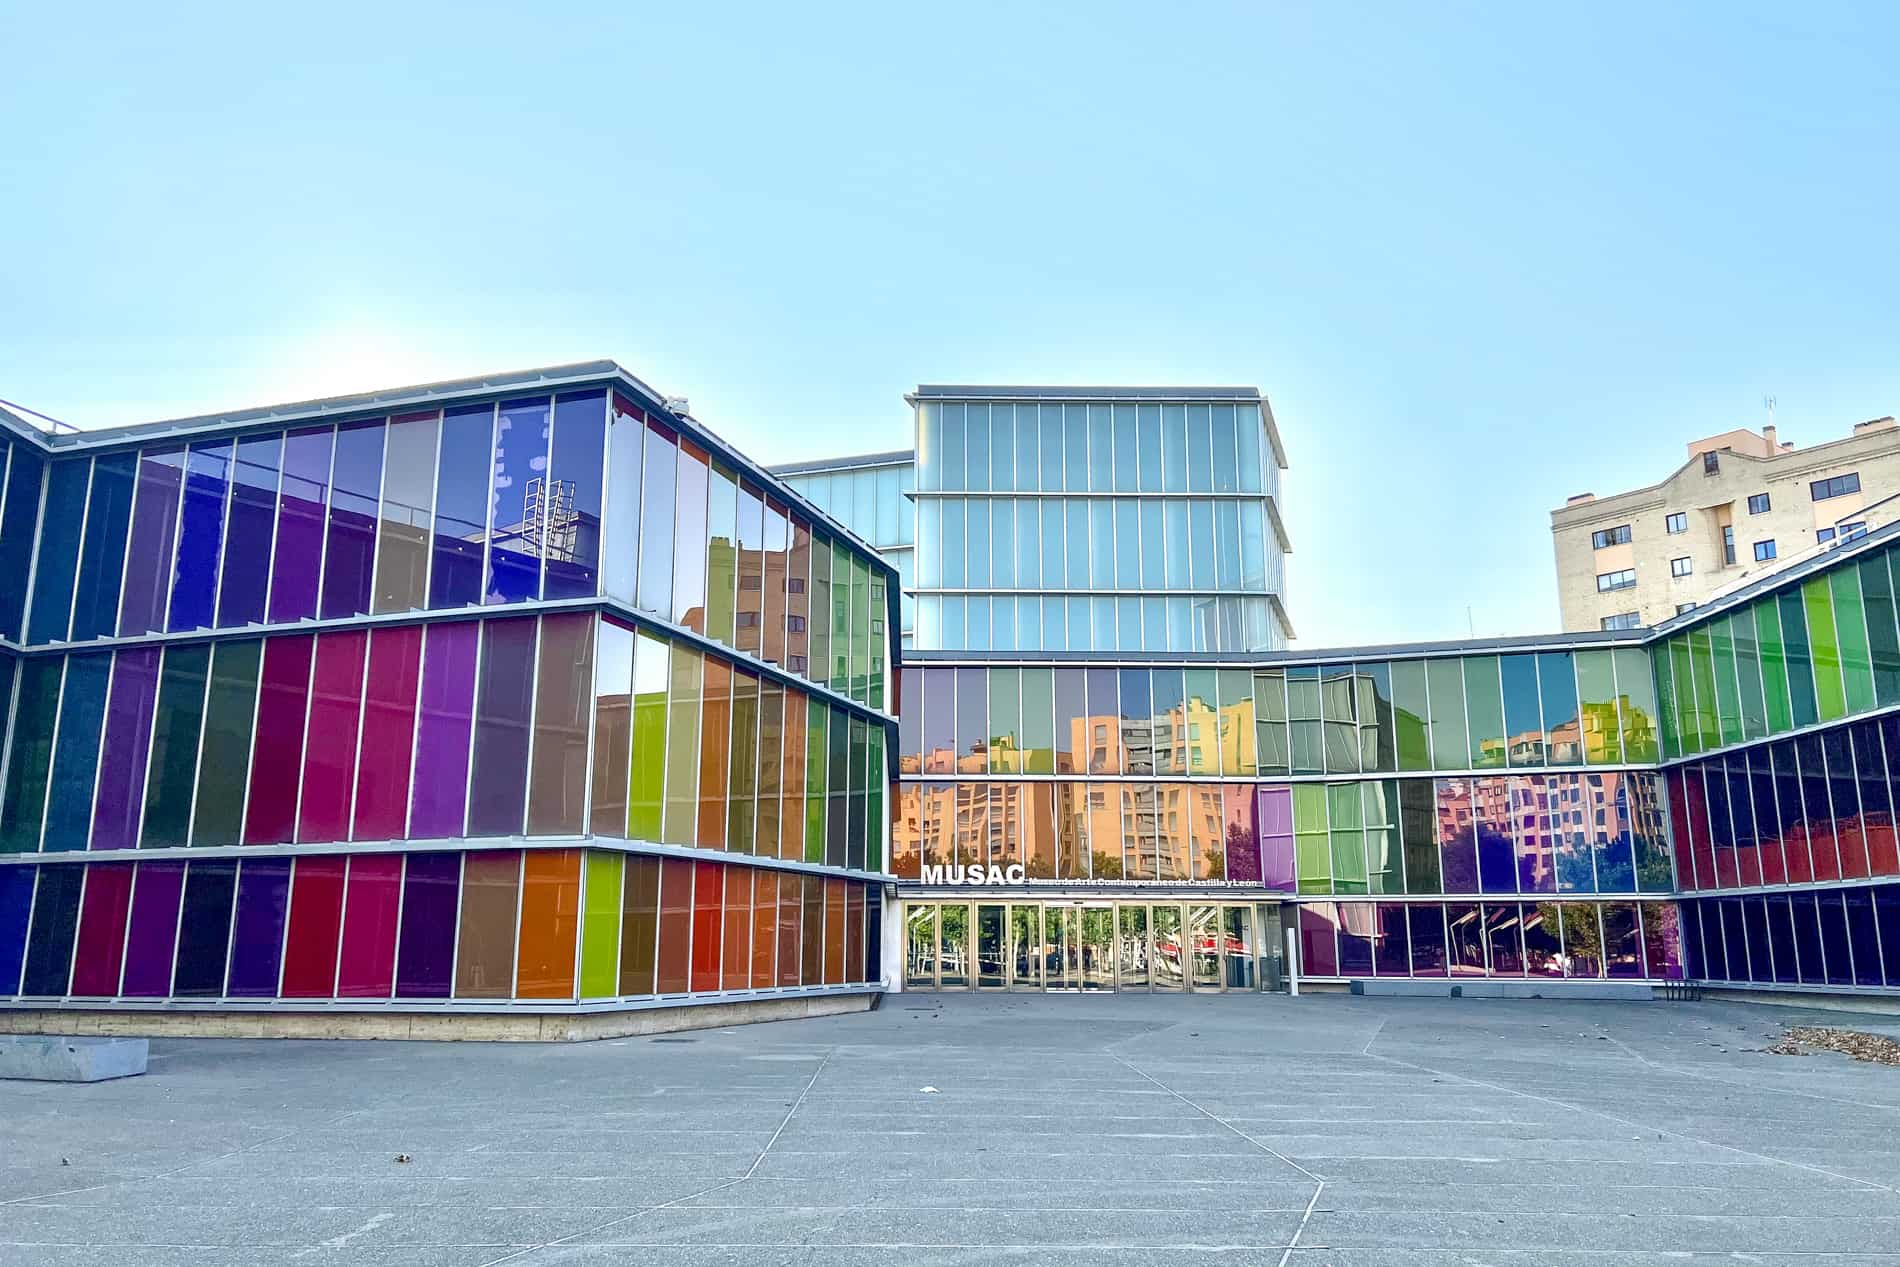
{"points": [[737, 972], [366, 968], [389, 725], [316, 918], [329, 761], [708, 898], [102, 929], [277, 750]]}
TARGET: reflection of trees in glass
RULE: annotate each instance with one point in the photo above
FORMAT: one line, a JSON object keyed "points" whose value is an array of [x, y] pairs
{"points": [[1583, 938], [1215, 860], [1108, 866]]}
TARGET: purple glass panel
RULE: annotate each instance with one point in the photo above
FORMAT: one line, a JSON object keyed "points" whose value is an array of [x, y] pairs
{"points": [[151, 933], [16, 905], [257, 935], [1533, 830], [1457, 839], [461, 505], [1391, 948], [1243, 835], [516, 515], [445, 715], [573, 523], [356, 490], [498, 788], [1862, 936], [1274, 806], [1464, 928], [128, 737], [305, 492], [1355, 939], [425, 951], [148, 559], [200, 533], [1491, 820], [251, 525], [1318, 956], [1428, 939]]}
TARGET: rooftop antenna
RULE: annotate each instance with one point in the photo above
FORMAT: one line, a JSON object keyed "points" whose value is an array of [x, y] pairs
{"points": [[1768, 403]]}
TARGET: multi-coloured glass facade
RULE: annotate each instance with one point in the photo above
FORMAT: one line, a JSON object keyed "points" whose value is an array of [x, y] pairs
{"points": [[871, 495], [1099, 520], [500, 693]]}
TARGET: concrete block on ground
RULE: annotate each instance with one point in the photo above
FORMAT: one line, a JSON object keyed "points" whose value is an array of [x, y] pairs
{"points": [[51, 1058], [1624, 991]]}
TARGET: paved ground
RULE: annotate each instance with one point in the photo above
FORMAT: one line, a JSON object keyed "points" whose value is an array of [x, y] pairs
{"points": [[1071, 1131]]}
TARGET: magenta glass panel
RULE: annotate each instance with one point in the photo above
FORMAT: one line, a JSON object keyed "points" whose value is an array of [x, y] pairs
{"points": [[277, 749], [1318, 958], [498, 787], [329, 759], [1622, 940], [356, 490], [148, 556], [257, 932], [101, 946], [445, 715], [301, 501], [425, 954], [1464, 936], [1274, 807], [251, 526], [152, 932], [389, 731], [1243, 835], [366, 965], [128, 738]]}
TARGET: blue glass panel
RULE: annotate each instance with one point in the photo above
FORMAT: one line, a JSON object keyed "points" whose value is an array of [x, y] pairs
{"points": [[148, 558], [59, 551], [356, 491], [1862, 936], [16, 903], [17, 517], [461, 505], [574, 496], [515, 518], [297, 560], [200, 533], [82, 713], [102, 557], [247, 542]]}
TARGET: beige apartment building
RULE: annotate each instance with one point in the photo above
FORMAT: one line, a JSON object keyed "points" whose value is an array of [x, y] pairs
{"points": [[1742, 505]]}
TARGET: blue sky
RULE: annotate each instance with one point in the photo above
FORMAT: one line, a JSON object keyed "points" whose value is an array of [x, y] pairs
{"points": [[1479, 256]]}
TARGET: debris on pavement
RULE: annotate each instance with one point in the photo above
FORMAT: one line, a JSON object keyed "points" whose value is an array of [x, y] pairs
{"points": [[1805, 1040]]}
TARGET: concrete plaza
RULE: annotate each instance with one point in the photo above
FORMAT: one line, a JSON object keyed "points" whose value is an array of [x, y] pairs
{"points": [[974, 1129]]}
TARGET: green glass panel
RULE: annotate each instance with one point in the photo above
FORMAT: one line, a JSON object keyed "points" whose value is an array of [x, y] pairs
{"points": [[1804, 705], [1312, 854], [23, 799], [1666, 701], [1702, 665], [1682, 673], [1636, 700], [1523, 711], [1418, 831], [1039, 721], [878, 775], [1384, 870], [1341, 719], [176, 727], [1557, 692], [645, 795], [1270, 725], [600, 925], [1876, 587], [742, 767], [1850, 624], [860, 630], [1200, 719], [1748, 674], [1484, 712], [817, 713], [1774, 667], [1445, 679], [1346, 818], [877, 638], [1378, 738], [680, 824], [1596, 690], [1238, 732], [1005, 716], [1303, 710], [1728, 699], [230, 707], [1409, 715], [841, 578], [1830, 696], [819, 669]]}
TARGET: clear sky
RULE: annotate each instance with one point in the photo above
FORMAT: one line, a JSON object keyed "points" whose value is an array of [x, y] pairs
{"points": [[1480, 257]]}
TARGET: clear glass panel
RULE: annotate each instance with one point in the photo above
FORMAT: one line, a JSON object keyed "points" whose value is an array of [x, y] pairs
{"points": [[1131, 946]]}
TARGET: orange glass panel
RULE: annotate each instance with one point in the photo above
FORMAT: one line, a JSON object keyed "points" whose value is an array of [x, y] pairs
{"points": [[1039, 830], [764, 926], [714, 739], [550, 923], [709, 879], [485, 953], [738, 966], [676, 924], [854, 933], [791, 843], [564, 704], [791, 893], [907, 831], [834, 932], [812, 963]]}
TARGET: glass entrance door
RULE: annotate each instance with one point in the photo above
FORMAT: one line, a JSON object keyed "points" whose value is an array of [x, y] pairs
{"points": [[1204, 941], [1098, 947], [953, 960], [1026, 948], [1131, 947], [991, 948], [1061, 957], [1170, 951]]}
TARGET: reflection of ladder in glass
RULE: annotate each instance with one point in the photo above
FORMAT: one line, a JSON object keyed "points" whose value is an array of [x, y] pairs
{"points": [[552, 526]]}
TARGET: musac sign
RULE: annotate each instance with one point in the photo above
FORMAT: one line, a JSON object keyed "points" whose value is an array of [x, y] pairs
{"points": [[973, 873]]}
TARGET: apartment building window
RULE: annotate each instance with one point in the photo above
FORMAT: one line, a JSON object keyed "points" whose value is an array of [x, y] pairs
{"points": [[1676, 522], [1856, 529], [1684, 607], [1823, 535], [1711, 463], [1622, 620], [1618, 536], [1758, 503], [1835, 486], [1623, 580], [1764, 550], [1728, 547], [1682, 566]]}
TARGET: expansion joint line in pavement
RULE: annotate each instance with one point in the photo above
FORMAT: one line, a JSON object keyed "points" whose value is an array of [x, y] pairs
{"points": [[1319, 1184], [707, 1191], [1635, 1125]]}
